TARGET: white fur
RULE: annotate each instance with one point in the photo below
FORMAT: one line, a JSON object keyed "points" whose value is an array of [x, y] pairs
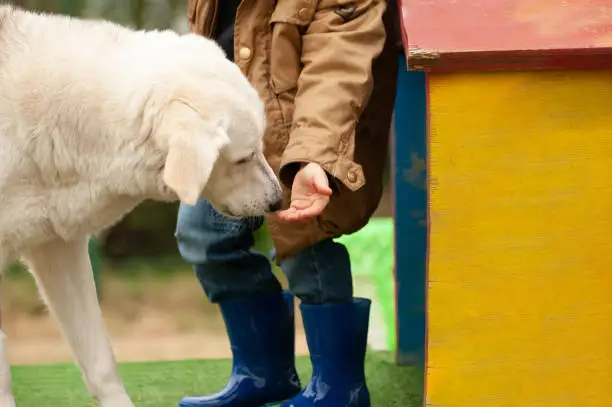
{"points": [[95, 118]]}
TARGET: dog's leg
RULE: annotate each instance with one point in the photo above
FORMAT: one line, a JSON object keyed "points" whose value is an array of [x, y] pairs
{"points": [[6, 392], [65, 278]]}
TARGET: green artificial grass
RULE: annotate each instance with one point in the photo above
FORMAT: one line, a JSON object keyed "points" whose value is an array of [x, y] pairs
{"points": [[162, 384]]}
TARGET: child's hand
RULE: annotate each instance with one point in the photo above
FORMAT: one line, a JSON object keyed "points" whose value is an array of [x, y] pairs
{"points": [[310, 194]]}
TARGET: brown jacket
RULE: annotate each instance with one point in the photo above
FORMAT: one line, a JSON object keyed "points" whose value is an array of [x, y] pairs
{"points": [[311, 62]]}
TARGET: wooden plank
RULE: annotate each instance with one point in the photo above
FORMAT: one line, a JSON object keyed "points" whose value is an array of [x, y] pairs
{"points": [[449, 35], [519, 298], [410, 212]]}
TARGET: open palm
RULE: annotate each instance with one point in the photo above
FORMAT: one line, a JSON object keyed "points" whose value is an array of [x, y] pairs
{"points": [[310, 194]]}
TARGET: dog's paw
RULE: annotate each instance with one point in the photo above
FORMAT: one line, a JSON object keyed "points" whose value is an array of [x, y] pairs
{"points": [[7, 400]]}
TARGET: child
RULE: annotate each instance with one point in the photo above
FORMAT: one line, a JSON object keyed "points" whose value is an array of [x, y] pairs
{"points": [[314, 64]]}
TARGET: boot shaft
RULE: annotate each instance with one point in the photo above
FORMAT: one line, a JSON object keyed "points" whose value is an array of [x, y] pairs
{"points": [[337, 336], [261, 330]]}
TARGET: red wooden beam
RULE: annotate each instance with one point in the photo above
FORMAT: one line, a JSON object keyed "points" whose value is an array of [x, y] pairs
{"points": [[450, 35]]}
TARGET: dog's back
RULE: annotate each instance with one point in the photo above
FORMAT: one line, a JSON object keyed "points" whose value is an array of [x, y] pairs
{"points": [[54, 95]]}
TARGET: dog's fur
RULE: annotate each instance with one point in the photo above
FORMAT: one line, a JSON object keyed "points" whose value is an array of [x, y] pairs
{"points": [[95, 118]]}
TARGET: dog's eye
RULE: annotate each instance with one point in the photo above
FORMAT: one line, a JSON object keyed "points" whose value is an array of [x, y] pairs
{"points": [[246, 159]]}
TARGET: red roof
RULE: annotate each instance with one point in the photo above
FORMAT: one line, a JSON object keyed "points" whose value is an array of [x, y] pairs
{"points": [[507, 34]]}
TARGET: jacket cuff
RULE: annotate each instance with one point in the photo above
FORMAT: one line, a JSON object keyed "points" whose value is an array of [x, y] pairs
{"points": [[304, 147]]}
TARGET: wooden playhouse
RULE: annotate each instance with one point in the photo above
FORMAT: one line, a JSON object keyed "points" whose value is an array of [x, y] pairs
{"points": [[503, 201]]}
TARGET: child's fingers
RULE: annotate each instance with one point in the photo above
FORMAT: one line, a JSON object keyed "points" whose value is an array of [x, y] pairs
{"points": [[300, 213], [321, 184]]}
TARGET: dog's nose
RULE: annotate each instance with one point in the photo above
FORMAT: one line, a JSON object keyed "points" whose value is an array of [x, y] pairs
{"points": [[276, 206]]}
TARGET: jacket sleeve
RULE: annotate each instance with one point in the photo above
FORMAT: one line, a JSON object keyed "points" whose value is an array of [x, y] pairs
{"points": [[334, 85]]}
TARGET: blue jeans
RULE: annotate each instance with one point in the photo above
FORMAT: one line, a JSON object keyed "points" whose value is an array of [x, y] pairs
{"points": [[220, 249]]}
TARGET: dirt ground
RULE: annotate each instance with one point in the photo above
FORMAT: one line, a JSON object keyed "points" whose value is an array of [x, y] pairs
{"points": [[156, 319]]}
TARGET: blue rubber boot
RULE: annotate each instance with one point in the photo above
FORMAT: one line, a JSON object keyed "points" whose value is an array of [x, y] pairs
{"points": [[261, 331], [337, 336]]}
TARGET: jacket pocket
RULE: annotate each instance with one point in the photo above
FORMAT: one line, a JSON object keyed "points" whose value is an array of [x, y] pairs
{"points": [[289, 21]]}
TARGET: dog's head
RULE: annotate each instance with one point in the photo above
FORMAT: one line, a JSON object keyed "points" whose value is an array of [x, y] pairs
{"points": [[214, 135]]}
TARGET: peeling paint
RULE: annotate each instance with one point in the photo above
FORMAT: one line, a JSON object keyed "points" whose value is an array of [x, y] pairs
{"points": [[415, 174], [418, 53]]}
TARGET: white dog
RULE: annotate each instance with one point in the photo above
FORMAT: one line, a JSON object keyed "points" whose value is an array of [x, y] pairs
{"points": [[95, 118]]}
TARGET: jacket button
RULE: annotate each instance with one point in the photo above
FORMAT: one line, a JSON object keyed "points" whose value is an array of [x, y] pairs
{"points": [[244, 53], [351, 176], [303, 14]]}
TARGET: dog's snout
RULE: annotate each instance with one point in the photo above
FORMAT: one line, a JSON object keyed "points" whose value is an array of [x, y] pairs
{"points": [[276, 206]]}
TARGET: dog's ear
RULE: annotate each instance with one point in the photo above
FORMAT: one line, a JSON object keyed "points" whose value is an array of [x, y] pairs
{"points": [[193, 148]]}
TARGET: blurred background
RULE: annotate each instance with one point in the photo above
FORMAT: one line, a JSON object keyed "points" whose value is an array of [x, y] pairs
{"points": [[153, 306], [158, 14]]}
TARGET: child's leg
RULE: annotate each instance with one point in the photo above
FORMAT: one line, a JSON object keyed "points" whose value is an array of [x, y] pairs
{"points": [[258, 316], [220, 248], [320, 274], [336, 326]]}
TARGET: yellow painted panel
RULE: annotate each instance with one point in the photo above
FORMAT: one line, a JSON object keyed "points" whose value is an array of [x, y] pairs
{"points": [[520, 261]]}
